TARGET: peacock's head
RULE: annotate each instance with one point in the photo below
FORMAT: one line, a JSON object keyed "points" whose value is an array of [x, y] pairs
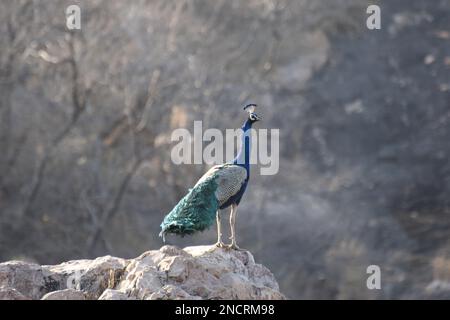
{"points": [[252, 116]]}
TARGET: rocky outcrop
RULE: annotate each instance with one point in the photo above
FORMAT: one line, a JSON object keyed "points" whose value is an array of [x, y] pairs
{"points": [[201, 272], [67, 294]]}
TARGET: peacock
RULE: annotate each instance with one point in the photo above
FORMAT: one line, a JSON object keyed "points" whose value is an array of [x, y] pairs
{"points": [[220, 187]]}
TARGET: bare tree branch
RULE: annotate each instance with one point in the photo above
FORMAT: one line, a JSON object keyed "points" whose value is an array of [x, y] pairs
{"points": [[111, 211], [79, 97]]}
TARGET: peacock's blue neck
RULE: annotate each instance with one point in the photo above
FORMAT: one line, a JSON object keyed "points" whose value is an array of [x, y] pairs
{"points": [[243, 157]]}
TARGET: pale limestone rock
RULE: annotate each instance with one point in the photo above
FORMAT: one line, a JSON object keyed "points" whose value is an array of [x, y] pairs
{"points": [[201, 272], [67, 294], [27, 278], [91, 276], [110, 294], [171, 292], [7, 293]]}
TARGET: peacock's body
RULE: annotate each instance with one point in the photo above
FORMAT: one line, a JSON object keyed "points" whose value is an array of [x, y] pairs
{"points": [[222, 186]]}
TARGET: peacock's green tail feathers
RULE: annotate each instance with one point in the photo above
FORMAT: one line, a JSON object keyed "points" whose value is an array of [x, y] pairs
{"points": [[195, 212]]}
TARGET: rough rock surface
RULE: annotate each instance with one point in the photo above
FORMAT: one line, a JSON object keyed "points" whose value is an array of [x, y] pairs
{"points": [[201, 272], [67, 294], [7, 293]]}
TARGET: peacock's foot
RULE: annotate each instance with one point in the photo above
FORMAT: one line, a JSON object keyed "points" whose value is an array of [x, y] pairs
{"points": [[234, 246], [220, 244]]}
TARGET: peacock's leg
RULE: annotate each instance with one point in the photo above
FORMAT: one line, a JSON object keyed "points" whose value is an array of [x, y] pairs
{"points": [[233, 244], [219, 242]]}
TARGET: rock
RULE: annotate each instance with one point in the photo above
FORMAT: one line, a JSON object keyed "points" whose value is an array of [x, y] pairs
{"points": [[67, 294], [91, 276], [171, 292], [7, 293], [110, 294], [27, 278], [201, 272]]}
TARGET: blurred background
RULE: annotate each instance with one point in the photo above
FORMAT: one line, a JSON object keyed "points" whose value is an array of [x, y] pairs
{"points": [[86, 118]]}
